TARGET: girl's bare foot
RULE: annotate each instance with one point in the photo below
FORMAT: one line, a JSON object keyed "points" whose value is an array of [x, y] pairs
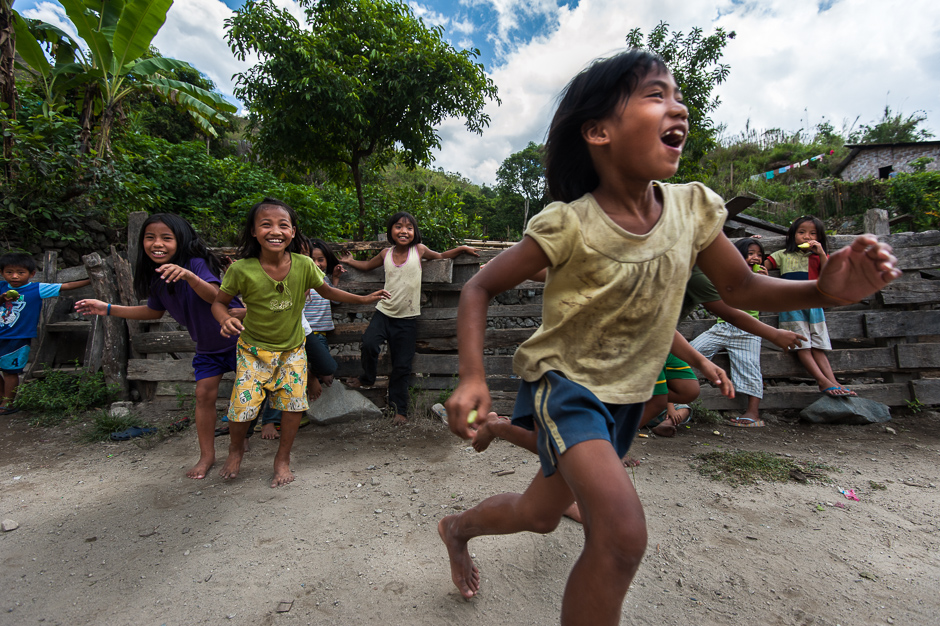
{"points": [[629, 461], [399, 420], [268, 431], [353, 383], [282, 473], [485, 434], [313, 388], [233, 463], [463, 571], [327, 380], [201, 468]]}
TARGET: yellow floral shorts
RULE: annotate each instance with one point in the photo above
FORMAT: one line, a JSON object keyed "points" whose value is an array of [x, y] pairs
{"points": [[282, 376]]}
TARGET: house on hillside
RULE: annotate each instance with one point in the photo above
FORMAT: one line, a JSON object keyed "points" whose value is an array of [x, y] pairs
{"points": [[880, 160]]}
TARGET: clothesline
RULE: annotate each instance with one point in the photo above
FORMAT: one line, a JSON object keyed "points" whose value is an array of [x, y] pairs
{"points": [[783, 170]]}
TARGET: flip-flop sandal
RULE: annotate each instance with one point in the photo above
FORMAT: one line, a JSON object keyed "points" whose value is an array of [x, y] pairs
{"points": [[221, 431], [131, 433], [9, 410], [835, 392], [746, 422], [179, 425], [848, 392]]}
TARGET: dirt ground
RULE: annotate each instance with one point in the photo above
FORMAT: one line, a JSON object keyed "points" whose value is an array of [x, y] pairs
{"points": [[116, 534]]}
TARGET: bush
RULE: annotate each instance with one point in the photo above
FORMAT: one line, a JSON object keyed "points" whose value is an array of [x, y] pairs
{"points": [[61, 395]]}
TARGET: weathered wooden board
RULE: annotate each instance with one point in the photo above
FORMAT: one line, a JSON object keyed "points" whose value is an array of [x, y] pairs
{"points": [[926, 391], [433, 271], [781, 365], [798, 397], [918, 355], [882, 324], [919, 291]]}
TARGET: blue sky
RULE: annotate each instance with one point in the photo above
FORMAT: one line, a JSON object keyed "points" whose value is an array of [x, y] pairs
{"points": [[794, 63]]}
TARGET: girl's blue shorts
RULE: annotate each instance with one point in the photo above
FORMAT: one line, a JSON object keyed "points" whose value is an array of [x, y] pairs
{"points": [[208, 365], [567, 414]]}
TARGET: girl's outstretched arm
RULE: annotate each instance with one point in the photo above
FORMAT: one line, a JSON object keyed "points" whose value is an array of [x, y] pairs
{"points": [[171, 273], [852, 273], [715, 375], [363, 266], [507, 270], [97, 307], [338, 295], [427, 253], [230, 325]]}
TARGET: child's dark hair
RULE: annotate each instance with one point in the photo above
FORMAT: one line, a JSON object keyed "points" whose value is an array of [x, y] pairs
{"points": [[593, 94], [820, 233], [18, 259], [396, 218], [743, 245], [248, 246], [188, 246], [322, 246]]}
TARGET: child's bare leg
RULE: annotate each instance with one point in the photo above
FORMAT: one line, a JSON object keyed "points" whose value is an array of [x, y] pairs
{"points": [[236, 448], [812, 367], [683, 390], [822, 361], [10, 383], [207, 390], [537, 510], [290, 423], [752, 413], [614, 532], [502, 427], [313, 387]]}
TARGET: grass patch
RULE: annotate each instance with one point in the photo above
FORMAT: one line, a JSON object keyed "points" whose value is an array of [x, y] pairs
{"points": [[742, 467], [61, 395], [701, 415], [103, 424]]}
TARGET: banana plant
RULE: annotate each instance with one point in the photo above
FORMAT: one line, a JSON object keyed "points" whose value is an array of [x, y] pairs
{"points": [[117, 35]]}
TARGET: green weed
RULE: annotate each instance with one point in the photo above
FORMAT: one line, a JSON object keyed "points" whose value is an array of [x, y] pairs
{"points": [[103, 424], [61, 395], [742, 467]]}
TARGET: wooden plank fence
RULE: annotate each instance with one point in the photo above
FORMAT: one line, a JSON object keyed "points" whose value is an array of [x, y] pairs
{"points": [[888, 347]]}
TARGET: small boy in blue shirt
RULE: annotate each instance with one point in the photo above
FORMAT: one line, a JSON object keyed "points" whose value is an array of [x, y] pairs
{"points": [[20, 305]]}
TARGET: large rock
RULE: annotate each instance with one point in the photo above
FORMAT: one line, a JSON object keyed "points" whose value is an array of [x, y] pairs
{"points": [[338, 404], [845, 410]]}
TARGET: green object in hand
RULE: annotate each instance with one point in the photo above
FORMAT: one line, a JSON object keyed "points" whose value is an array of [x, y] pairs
{"points": [[12, 294], [472, 416]]}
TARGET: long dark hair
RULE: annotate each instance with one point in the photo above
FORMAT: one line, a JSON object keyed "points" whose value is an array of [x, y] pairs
{"points": [[248, 246], [322, 246], [820, 233], [743, 244], [188, 246], [395, 219], [591, 95]]}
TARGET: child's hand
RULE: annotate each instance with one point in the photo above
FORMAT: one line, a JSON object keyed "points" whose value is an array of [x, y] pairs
{"points": [[345, 257], [238, 313], [375, 296], [91, 307], [719, 378], [171, 273], [469, 250], [760, 269], [469, 395], [816, 248], [231, 327], [10, 295], [338, 271], [788, 340], [858, 270]]}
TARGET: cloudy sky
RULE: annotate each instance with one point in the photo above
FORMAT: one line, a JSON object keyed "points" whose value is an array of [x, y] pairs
{"points": [[793, 63]]}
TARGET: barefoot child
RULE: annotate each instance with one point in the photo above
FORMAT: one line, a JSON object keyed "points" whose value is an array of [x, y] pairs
{"points": [[395, 320], [20, 306], [615, 246], [272, 279], [319, 316], [177, 273], [804, 258]]}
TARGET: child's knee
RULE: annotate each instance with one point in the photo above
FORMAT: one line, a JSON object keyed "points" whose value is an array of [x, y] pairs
{"points": [[625, 541]]}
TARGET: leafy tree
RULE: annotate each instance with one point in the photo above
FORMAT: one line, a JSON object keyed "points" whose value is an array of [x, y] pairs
{"points": [[694, 62], [363, 78], [115, 64], [7, 79], [523, 174], [893, 128]]}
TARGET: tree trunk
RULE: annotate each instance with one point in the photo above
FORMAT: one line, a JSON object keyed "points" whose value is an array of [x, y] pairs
{"points": [[107, 123], [357, 176], [7, 78], [86, 118]]}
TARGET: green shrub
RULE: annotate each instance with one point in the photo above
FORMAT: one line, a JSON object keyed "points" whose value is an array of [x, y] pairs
{"points": [[61, 395], [103, 423]]}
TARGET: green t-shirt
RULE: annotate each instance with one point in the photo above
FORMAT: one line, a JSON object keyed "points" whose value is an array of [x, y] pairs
{"points": [[700, 290], [274, 308]]}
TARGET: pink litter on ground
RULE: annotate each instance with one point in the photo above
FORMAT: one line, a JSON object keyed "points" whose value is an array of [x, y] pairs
{"points": [[849, 493]]}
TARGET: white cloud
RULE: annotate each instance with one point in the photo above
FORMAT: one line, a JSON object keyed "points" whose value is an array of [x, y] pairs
{"points": [[791, 65], [52, 14]]}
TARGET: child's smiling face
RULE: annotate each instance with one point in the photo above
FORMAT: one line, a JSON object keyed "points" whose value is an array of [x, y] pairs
{"points": [[646, 133], [16, 276], [319, 258], [159, 243], [273, 229], [753, 255], [403, 232]]}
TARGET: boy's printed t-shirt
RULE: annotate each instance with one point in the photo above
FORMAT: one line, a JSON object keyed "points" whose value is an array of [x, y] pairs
{"points": [[275, 308], [611, 302], [190, 310], [20, 319]]}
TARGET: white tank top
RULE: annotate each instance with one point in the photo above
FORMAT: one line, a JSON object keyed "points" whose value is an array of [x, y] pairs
{"points": [[404, 283]]}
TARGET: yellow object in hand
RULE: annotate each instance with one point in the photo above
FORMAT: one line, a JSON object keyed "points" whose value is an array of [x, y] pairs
{"points": [[803, 245], [472, 416]]}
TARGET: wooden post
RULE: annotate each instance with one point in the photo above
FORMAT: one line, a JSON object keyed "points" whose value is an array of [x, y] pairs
{"points": [[114, 335], [135, 222], [876, 222], [43, 342]]}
